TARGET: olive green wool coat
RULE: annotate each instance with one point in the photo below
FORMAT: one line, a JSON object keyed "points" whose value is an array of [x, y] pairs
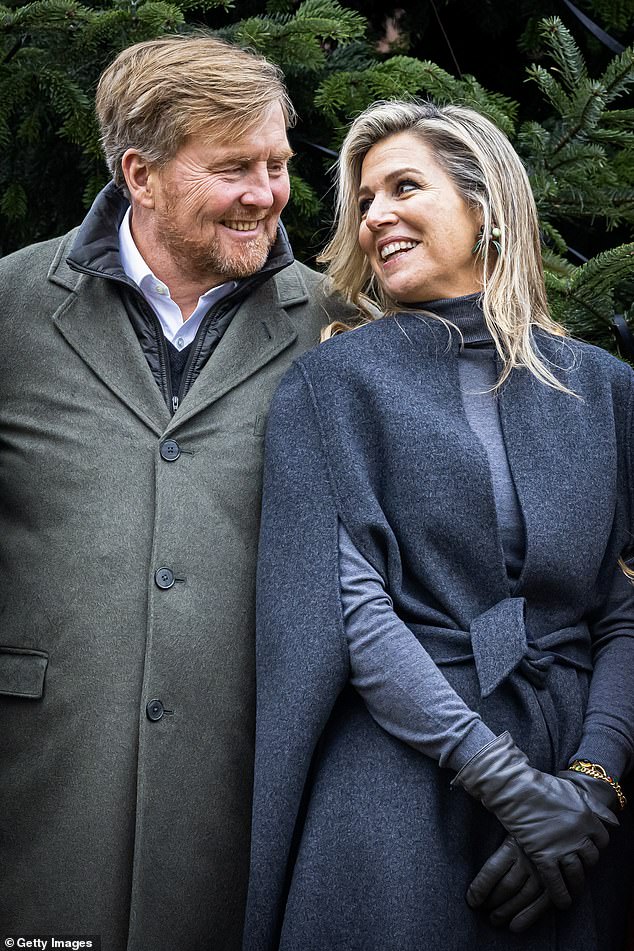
{"points": [[112, 823]]}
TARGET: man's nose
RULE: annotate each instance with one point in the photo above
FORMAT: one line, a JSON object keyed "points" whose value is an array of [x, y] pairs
{"points": [[258, 190]]}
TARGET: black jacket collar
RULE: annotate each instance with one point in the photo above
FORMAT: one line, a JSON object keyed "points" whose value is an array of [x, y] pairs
{"points": [[95, 249]]}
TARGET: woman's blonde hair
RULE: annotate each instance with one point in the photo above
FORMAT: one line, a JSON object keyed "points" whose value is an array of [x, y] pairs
{"points": [[490, 177], [157, 93]]}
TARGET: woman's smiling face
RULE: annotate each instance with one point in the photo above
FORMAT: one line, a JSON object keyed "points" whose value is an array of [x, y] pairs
{"points": [[416, 229]]}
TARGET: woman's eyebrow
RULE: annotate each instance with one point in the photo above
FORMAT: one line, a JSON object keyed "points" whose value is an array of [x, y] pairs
{"points": [[397, 173], [403, 171]]}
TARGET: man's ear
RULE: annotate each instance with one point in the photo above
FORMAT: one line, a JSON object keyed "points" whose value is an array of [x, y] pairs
{"points": [[140, 178]]}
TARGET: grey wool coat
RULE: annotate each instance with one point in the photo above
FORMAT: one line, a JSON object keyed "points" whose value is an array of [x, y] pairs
{"points": [[118, 819], [359, 842]]}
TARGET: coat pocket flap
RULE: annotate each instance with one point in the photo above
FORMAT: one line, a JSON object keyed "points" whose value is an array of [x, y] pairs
{"points": [[22, 672]]}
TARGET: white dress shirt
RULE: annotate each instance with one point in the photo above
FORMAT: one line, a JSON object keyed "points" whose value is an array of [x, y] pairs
{"points": [[179, 332]]}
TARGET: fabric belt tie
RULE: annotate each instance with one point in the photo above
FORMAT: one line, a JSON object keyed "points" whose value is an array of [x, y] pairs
{"points": [[498, 644]]}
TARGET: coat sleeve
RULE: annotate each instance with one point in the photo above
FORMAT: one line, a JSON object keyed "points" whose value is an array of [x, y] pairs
{"points": [[608, 727], [300, 648]]}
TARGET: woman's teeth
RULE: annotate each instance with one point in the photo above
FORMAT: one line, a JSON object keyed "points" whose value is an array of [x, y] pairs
{"points": [[395, 246]]}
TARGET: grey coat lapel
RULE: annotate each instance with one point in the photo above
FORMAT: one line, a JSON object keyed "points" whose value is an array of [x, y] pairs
{"points": [[554, 446], [94, 322], [260, 330]]}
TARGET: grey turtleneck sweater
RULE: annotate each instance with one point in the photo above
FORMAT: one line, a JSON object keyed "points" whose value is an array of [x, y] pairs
{"points": [[404, 690], [478, 376]]}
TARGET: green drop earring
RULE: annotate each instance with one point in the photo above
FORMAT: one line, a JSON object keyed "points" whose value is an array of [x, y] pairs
{"points": [[494, 239]]}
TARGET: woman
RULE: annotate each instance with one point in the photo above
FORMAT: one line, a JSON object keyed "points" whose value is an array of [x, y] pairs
{"points": [[446, 638]]}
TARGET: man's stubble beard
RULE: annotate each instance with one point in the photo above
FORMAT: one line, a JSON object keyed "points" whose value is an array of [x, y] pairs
{"points": [[204, 261]]}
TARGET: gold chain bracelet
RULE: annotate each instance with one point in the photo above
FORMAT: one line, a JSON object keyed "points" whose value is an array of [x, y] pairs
{"points": [[598, 772]]}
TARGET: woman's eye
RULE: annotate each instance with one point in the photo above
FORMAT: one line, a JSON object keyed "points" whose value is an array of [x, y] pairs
{"points": [[364, 206], [406, 186]]}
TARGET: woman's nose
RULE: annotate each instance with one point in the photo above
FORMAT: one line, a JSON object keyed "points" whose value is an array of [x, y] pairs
{"points": [[380, 213]]}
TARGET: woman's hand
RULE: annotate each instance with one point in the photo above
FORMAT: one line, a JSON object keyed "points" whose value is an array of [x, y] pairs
{"points": [[510, 889], [559, 823]]}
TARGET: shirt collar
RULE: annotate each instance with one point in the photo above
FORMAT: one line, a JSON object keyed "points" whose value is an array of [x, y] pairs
{"points": [[131, 258], [138, 270]]}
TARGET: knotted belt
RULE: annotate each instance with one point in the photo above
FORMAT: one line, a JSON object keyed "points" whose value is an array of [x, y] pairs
{"points": [[498, 644]]}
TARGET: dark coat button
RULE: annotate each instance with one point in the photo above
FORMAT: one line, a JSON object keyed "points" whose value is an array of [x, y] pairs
{"points": [[154, 710], [164, 578], [170, 450]]}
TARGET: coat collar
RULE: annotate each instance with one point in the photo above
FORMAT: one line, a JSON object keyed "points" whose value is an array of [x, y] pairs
{"points": [[94, 321], [391, 392], [95, 324], [95, 245]]}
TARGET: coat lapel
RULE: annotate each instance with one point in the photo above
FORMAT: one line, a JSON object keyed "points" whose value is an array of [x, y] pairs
{"points": [[558, 456], [259, 331], [95, 324]]}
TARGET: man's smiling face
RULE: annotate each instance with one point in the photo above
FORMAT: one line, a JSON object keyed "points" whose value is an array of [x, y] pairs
{"points": [[217, 204]]}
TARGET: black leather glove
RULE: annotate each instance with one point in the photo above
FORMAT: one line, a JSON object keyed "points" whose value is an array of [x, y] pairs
{"points": [[594, 789], [509, 887], [559, 823]]}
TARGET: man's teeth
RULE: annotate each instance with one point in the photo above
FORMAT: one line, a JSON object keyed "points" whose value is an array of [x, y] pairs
{"points": [[241, 225], [395, 246]]}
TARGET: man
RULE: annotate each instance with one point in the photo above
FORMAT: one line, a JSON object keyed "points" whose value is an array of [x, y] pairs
{"points": [[140, 354]]}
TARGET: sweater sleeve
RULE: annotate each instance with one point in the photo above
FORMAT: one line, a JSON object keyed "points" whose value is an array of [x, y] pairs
{"points": [[608, 727], [402, 687]]}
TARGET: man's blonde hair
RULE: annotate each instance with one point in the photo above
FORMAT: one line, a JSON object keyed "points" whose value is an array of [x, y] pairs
{"points": [[490, 177], [157, 93]]}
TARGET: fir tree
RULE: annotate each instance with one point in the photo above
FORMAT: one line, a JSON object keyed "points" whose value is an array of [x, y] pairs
{"points": [[51, 54], [577, 140], [580, 160]]}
